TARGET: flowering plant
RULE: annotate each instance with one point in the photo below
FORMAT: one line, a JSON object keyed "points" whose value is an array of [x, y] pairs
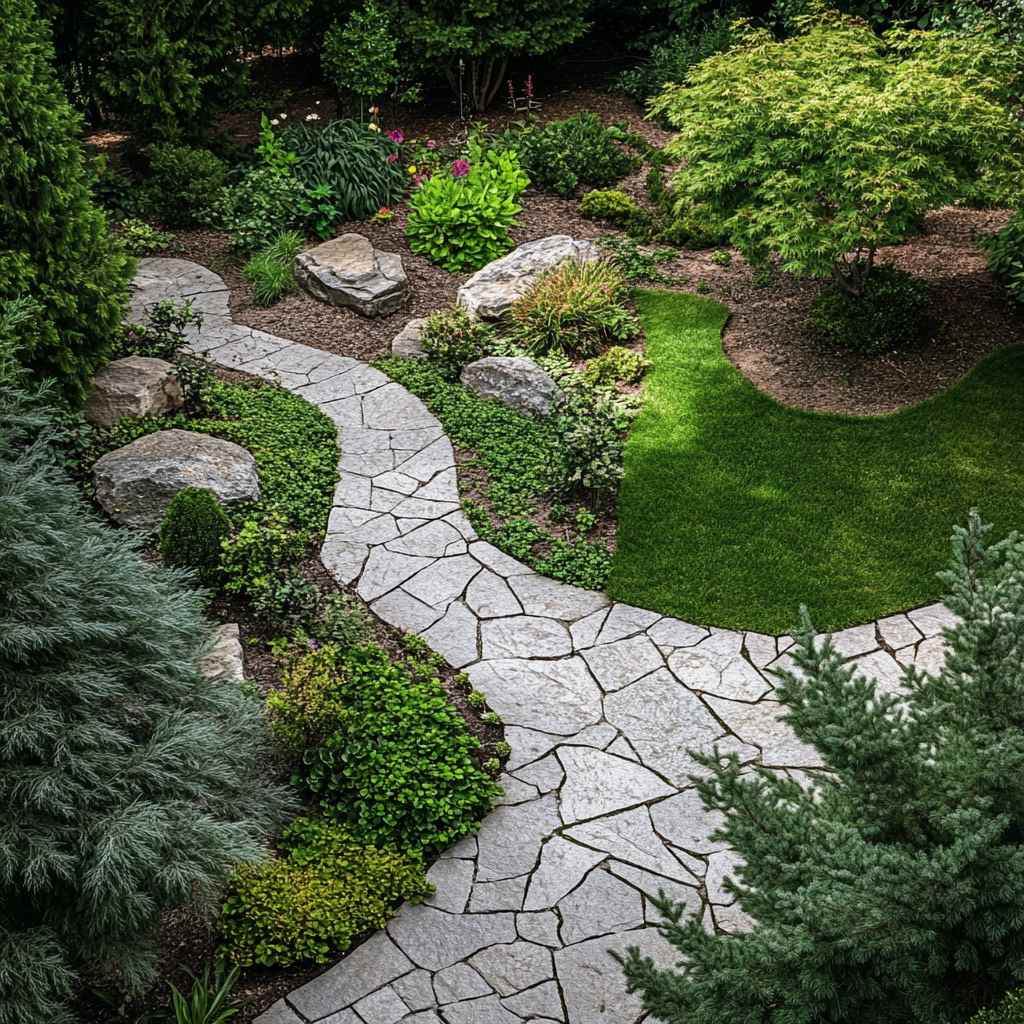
{"points": [[460, 168], [272, 152]]}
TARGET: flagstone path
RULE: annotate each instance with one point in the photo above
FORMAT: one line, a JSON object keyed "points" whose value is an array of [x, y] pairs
{"points": [[600, 700]]}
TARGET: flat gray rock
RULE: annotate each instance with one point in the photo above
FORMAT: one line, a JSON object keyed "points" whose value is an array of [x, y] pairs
{"points": [[514, 381], [348, 271], [491, 291], [135, 484], [433, 939], [224, 660], [135, 386], [602, 905], [408, 342]]}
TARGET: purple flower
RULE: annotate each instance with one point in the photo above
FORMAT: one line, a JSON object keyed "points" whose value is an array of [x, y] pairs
{"points": [[396, 135], [392, 158], [460, 168]]}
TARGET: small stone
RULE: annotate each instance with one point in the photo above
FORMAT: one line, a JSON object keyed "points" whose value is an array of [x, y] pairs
{"points": [[685, 822], [454, 636], [224, 659], [459, 982], [597, 783], [452, 880], [855, 640], [676, 633], [510, 837], [487, 1010], [381, 1007], [524, 636], [415, 990], [546, 774], [655, 886], [514, 967], [433, 939], [136, 386], [408, 343], [562, 866], [539, 926], [625, 620], [933, 619], [541, 1001], [722, 865], [491, 292], [762, 726], [601, 905], [489, 596], [898, 631], [540, 596], [279, 1013], [628, 836], [134, 484], [504, 895], [349, 271], [513, 381], [620, 663]]}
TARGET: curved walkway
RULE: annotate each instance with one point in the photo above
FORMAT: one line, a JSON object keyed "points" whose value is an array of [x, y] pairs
{"points": [[600, 700]]}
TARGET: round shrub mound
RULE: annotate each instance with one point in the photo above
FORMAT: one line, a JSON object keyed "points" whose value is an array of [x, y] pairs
{"points": [[890, 314], [54, 244], [192, 531]]}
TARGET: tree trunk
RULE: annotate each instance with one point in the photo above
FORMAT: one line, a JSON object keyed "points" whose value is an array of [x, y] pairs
{"points": [[851, 275]]}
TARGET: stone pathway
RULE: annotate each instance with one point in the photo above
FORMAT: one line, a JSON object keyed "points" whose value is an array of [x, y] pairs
{"points": [[600, 700]]}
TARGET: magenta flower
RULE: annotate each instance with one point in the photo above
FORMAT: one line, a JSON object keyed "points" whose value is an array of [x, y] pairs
{"points": [[431, 144], [460, 168], [418, 179], [396, 135], [392, 157]]}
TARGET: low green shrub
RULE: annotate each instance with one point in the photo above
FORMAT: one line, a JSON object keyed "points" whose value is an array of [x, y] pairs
{"points": [[272, 271], [182, 183], [1005, 251], [460, 219], [579, 150], [636, 264], [162, 336], [343, 621], [575, 308], [310, 904], [616, 365], [361, 169], [889, 315], [591, 437], [617, 208], [1009, 1011], [260, 207], [260, 554], [193, 529], [384, 750], [672, 224], [140, 238], [452, 338]]}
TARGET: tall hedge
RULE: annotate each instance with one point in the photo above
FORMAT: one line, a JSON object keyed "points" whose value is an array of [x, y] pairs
{"points": [[129, 783], [54, 243]]}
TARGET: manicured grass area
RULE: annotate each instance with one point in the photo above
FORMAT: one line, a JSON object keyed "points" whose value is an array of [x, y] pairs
{"points": [[735, 510]]}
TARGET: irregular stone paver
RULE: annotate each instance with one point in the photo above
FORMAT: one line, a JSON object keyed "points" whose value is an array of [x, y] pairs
{"points": [[601, 702]]}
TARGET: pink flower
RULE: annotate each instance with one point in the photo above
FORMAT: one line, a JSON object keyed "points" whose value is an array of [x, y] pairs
{"points": [[418, 179], [529, 87], [431, 144], [460, 168], [392, 158], [396, 135]]}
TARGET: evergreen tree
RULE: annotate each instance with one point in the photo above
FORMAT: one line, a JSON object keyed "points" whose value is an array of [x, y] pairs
{"points": [[894, 890], [54, 243], [129, 783]]}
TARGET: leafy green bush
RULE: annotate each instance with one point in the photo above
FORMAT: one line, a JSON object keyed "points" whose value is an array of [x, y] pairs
{"points": [[385, 752], [272, 271], [140, 238], [55, 246], [616, 365], [671, 60], [360, 167], [575, 308], [361, 56], [636, 264], [183, 182], [193, 528], [1005, 251], [262, 550], [580, 150], [616, 207], [1009, 1011], [452, 338], [343, 621], [460, 220], [590, 442], [162, 336], [890, 314], [327, 889], [263, 205]]}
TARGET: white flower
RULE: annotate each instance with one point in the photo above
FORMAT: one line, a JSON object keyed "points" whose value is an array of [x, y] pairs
{"points": [[312, 117], [274, 121], [373, 127], [318, 103], [284, 117]]}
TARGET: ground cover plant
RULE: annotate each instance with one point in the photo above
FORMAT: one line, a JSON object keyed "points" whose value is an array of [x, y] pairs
{"points": [[850, 881], [734, 509]]}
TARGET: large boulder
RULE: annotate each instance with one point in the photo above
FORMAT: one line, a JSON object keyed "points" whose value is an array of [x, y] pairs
{"points": [[514, 381], [490, 292], [348, 271], [408, 343], [135, 386], [135, 483]]}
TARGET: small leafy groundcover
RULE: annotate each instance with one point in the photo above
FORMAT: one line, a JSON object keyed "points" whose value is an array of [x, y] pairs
{"points": [[384, 751], [326, 890]]}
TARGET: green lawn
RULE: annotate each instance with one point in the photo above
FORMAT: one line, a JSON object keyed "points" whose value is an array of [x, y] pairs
{"points": [[735, 509]]}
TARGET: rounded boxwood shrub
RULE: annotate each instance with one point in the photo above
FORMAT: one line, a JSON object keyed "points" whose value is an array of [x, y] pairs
{"points": [[328, 889], [613, 205], [55, 245], [183, 182], [889, 314], [192, 531], [452, 338]]}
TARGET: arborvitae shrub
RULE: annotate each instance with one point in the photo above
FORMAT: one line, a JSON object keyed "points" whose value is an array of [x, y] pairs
{"points": [[54, 243], [190, 535], [128, 781]]}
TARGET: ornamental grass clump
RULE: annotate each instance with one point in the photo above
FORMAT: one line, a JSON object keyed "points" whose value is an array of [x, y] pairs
{"points": [[576, 308]]}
